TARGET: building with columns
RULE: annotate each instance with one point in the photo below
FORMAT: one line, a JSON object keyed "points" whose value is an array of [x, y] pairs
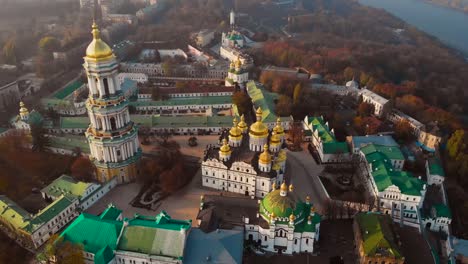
{"points": [[286, 224], [112, 136], [248, 160]]}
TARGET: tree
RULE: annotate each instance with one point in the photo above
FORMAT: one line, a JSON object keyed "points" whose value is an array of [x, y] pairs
{"points": [[403, 130], [456, 143], [284, 106], [174, 178], [40, 142], [410, 104], [9, 51], [295, 134], [150, 169], [58, 251], [297, 92], [365, 109], [192, 141], [242, 101], [83, 169], [48, 44]]}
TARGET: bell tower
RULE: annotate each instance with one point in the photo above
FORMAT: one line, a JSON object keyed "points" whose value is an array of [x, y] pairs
{"points": [[112, 136]]}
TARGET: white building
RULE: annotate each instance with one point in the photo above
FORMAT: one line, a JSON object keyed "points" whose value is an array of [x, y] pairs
{"points": [[318, 132], [137, 77], [286, 225], [248, 162], [25, 119], [9, 94], [237, 74], [398, 192], [434, 171], [141, 239], [172, 53], [439, 219], [381, 105], [204, 37]]}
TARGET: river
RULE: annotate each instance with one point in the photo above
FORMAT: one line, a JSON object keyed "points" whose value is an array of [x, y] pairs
{"points": [[448, 25]]}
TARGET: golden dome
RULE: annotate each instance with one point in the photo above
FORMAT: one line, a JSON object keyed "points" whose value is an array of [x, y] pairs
{"points": [[272, 216], [292, 218], [308, 198], [276, 166], [258, 129], [278, 128], [225, 149], [273, 186], [235, 132], [284, 187], [275, 139], [291, 187], [265, 157], [281, 156], [98, 49], [312, 210], [23, 109], [238, 63], [242, 125]]}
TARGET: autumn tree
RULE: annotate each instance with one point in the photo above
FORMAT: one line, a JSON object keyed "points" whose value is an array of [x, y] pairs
{"points": [[410, 104], [457, 150], [243, 102], [48, 44], [283, 106], [59, 251], [365, 109], [295, 134], [83, 169], [10, 51], [297, 92], [403, 130]]}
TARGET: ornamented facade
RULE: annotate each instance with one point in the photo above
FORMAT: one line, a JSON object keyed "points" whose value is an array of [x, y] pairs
{"points": [[287, 224], [237, 74], [249, 161], [112, 136]]}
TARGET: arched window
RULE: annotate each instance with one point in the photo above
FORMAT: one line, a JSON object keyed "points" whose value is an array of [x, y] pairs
{"points": [[98, 122], [113, 124], [106, 87]]}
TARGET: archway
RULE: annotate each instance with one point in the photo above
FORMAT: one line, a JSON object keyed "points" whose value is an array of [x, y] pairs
{"points": [[250, 237], [428, 225]]}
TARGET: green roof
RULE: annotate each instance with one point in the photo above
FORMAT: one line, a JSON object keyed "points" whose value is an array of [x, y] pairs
{"points": [[3, 129], [12, 213], [158, 235], [393, 153], [66, 184], [435, 168], [263, 99], [104, 256], [385, 175], [74, 122], [55, 103], [35, 118], [111, 213], [69, 89], [330, 144], [284, 206], [51, 211], [203, 100], [442, 210], [93, 233], [377, 235], [70, 142]]}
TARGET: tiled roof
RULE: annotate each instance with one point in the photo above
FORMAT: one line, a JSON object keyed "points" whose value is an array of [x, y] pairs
{"points": [[330, 144], [393, 153], [442, 210], [435, 168], [384, 173], [203, 100], [111, 213], [74, 122], [158, 235], [223, 246], [51, 211], [12, 213], [70, 142], [69, 89], [66, 184], [263, 99], [93, 233], [359, 142], [377, 235]]}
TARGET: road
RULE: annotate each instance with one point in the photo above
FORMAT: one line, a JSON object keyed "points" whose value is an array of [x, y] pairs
{"points": [[303, 172]]}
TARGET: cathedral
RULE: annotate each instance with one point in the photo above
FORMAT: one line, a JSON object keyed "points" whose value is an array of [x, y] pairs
{"points": [[286, 225], [248, 161], [112, 136], [237, 74]]}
